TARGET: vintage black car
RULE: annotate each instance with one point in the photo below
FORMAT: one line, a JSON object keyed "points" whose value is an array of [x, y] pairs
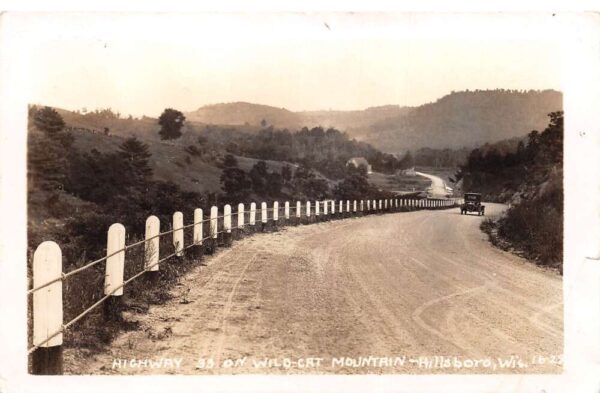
{"points": [[472, 204]]}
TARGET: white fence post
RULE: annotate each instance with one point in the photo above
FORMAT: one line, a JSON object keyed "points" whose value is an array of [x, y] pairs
{"points": [[362, 205], [325, 208], [240, 216], [347, 206], [275, 211], [287, 210], [152, 245], [115, 264], [341, 207], [47, 309], [198, 227], [354, 206], [263, 213], [253, 214], [368, 204], [308, 210], [227, 218], [214, 222], [333, 207], [115, 267], [178, 233], [227, 235], [317, 212], [298, 209]]}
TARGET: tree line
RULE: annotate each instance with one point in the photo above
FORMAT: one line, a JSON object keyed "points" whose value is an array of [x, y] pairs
{"points": [[530, 178]]}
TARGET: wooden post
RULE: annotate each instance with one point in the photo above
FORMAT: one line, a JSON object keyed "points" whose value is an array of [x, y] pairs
{"points": [[275, 213], [178, 233], [286, 211], [354, 207], [325, 210], [47, 310], [198, 235], [214, 227], [307, 211], [240, 220], [227, 226], [263, 216], [332, 209], [115, 267], [253, 214], [298, 212], [368, 204], [347, 208], [152, 248], [362, 206], [317, 210], [341, 209]]}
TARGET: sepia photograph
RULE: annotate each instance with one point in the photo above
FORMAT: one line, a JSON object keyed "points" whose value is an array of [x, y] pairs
{"points": [[294, 194]]}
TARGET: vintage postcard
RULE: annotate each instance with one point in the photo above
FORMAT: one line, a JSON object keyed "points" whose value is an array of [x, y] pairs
{"points": [[301, 197]]}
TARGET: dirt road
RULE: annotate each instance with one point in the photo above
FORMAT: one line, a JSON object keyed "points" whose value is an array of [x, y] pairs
{"points": [[438, 186], [423, 283]]}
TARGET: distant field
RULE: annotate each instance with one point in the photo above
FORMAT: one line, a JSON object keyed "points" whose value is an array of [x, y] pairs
{"points": [[444, 173], [398, 182]]}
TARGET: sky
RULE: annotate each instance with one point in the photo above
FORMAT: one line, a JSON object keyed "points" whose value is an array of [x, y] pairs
{"points": [[142, 63]]}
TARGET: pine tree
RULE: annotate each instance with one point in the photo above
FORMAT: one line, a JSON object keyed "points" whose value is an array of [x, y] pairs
{"points": [[137, 154]]}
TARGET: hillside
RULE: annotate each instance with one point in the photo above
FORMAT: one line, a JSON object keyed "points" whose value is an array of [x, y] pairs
{"points": [[252, 116], [355, 123], [244, 113], [530, 179], [460, 119], [466, 119]]}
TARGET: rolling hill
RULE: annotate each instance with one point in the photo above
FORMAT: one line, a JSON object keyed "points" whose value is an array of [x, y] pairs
{"points": [[466, 119], [459, 119]]}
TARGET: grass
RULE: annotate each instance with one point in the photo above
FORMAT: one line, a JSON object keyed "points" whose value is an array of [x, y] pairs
{"points": [[399, 182]]}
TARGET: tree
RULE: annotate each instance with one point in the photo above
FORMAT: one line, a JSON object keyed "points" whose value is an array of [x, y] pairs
{"points": [[48, 120], [263, 123], [407, 161], [202, 140], [258, 175], [171, 122], [273, 184], [307, 184], [230, 161], [136, 154], [354, 186], [235, 184], [47, 162], [286, 173]]}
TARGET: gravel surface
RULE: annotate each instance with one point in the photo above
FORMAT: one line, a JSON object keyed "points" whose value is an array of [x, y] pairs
{"points": [[409, 286]]}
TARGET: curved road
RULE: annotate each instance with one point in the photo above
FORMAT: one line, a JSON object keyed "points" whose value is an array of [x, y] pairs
{"points": [[438, 186], [424, 283]]}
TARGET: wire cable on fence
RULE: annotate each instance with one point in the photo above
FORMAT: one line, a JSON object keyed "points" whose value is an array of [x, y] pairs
{"points": [[63, 276]]}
